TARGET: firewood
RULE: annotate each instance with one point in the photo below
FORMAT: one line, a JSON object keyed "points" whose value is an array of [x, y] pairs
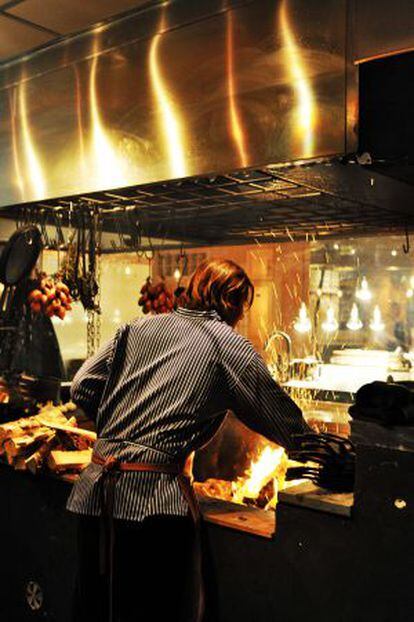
{"points": [[19, 464], [18, 444], [34, 462], [67, 460], [51, 414], [91, 436], [7, 430]]}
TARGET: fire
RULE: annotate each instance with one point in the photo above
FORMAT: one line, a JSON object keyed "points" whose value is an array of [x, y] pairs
{"points": [[260, 484], [269, 467]]}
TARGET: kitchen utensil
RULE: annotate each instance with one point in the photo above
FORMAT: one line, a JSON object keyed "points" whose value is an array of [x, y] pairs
{"points": [[19, 255], [332, 458]]}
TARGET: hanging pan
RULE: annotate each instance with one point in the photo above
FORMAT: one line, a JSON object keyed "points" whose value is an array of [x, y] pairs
{"points": [[20, 254]]}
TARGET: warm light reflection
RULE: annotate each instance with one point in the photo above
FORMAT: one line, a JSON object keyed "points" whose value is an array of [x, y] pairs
{"points": [[107, 166], [303, 323], [364, 293], [354, 322], [376, 323], [330, 325], [171, 128], [78, 99], [15, 144], [236, 126], [33, 166], [306, 109]]}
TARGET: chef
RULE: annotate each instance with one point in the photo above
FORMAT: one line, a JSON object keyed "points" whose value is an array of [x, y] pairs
{"points": [[159, 390]]}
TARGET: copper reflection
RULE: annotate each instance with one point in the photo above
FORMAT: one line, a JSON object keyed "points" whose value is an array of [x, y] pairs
{"points": [[305, 113], [15, 144], [106, 165], [236, 126], [78, 99], [170, 125], [33, 167]]}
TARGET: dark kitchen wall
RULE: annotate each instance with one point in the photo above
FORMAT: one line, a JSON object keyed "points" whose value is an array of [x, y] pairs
{"points": [[382, 27]]}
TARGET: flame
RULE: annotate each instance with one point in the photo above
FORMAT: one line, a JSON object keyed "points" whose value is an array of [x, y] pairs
{"points": [[171, 127], [33, 165], [306, 109], [107, 166], [15, 146], [271, 464], [236, 125]]}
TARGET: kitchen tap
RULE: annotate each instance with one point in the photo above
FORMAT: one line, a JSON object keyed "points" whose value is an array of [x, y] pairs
{"points": [[283, 363]]}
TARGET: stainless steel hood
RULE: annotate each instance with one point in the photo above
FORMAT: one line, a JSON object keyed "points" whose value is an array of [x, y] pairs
{"points": [[212, 122], [176, 90]]}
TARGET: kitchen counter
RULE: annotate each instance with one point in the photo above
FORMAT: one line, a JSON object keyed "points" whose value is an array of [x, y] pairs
{"points": [[348, 378], [316, 565]]}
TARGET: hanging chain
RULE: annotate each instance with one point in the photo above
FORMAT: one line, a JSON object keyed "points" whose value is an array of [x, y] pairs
{"points": [[90, 333], [93, 328], [98, 313]]}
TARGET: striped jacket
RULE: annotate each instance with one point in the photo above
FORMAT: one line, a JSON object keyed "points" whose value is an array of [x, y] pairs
{"points": [[159, 390]]}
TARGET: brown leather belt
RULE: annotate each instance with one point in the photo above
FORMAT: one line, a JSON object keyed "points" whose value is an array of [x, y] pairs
{"points": [[111, 469]]}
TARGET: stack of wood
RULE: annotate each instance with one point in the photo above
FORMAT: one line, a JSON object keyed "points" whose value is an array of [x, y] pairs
{"points": [[50, 440]]}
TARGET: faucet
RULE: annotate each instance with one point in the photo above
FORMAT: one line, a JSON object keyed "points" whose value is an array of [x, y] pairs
{"points": [[283, 369]]}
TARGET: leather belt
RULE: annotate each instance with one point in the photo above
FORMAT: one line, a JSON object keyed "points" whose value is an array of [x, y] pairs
{"points": [[112, 467]]}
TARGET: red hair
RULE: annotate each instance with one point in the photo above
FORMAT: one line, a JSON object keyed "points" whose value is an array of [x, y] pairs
{"points": [[222, 286]]}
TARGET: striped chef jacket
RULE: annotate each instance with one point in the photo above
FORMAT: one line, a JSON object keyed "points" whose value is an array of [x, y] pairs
{"points": [[161, 389]]}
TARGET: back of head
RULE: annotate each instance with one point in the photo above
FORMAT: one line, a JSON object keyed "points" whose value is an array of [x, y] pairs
{"points": [[221, 286]]}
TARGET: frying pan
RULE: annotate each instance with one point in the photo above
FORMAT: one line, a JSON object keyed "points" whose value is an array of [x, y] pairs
{"points": [[20, 254]]}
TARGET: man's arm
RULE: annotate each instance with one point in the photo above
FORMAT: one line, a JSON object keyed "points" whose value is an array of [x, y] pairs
{"points": [[88, 383], [261, 404]]}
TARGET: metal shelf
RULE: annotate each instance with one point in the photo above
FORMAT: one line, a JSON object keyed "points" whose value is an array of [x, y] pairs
{"points": [[306, 202]]}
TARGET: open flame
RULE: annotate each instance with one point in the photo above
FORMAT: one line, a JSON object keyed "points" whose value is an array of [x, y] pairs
{"points": [[268, 469], [260, 484]]}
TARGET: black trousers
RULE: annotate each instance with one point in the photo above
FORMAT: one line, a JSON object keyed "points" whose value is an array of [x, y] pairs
{"points": [[153, 571]]}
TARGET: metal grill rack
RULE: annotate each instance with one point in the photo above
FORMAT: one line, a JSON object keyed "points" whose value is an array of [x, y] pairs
{"points": [[325, 199]]}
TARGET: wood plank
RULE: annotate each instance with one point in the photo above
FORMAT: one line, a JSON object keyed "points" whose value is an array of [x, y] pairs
{"points": [[88, 434], [308, 495], [238, 517], [67, 460]]}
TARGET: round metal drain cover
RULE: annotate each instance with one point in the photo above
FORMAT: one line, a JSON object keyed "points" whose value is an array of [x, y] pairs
{"points": [[34, 595]]}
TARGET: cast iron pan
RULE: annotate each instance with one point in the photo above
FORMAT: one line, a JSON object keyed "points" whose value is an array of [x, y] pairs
{"points": [[20, 254]]}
